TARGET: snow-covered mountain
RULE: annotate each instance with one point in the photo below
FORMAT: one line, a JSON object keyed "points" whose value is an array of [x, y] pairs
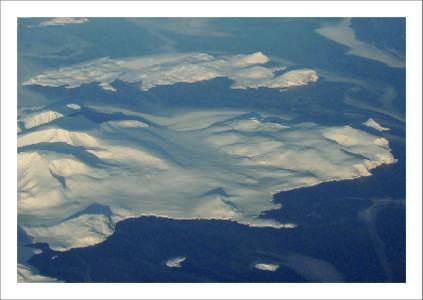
{"points": [[203, 163], [227, 166], [247, 71]]}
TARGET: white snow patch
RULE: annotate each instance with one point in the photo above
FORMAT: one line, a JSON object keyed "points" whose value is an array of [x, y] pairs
{"points": [[130, 155], [82, 231], [362, 170], [69, 167], [247, 71], [381, 142], [25, 274], [107, 86], [73, 106], [37, 251], [247, 60], [63, 21], [375, 125], [345, 136], [38, 119], [37, 188], [128, 124], [266, 267], [293, 78], [252, 125], [175, 262], [57, 135]]}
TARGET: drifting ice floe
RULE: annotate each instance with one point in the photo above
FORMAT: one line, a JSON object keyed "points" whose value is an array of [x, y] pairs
{"points": [[73, 106], [247, 71], [175, 262], [266, 267]]}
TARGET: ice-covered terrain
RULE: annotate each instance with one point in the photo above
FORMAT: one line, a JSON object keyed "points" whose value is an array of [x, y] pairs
{"points": [[375, 125], [226, 167], [247, 71], [76, 182], [25, 274], [63, 21]]}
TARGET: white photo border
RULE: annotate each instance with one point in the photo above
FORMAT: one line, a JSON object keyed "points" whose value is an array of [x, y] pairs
{"points": [[10, 11]]}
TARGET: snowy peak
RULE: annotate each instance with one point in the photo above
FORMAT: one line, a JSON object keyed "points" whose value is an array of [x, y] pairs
{"points": [[247, 60], [38, 119], [37, 188], [58, 135], [375, 125], [81, 231]]}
